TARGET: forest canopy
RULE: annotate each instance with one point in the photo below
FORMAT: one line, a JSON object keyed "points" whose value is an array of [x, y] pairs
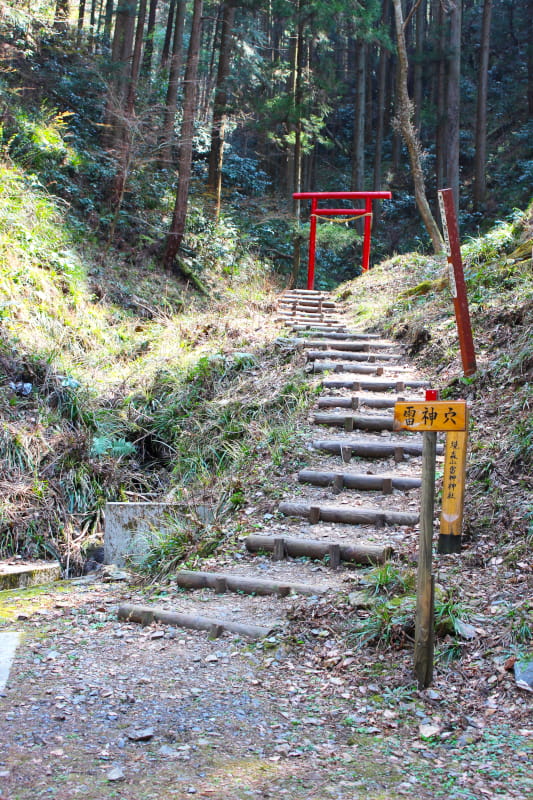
{"points": [[131, 109]]}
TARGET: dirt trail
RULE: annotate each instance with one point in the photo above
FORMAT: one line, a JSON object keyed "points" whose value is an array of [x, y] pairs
{"points": [[96, 708]]}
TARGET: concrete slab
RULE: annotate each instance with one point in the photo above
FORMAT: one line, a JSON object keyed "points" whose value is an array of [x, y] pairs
{"points": [[131, 528], [8, 644], [20, 576]]}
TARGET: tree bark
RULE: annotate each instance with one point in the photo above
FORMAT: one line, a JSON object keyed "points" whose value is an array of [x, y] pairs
{"points": [[453, 102], [297, 99], [418, 71], [149, 40], [108, 20], [480, 184], [168, 35], [358, 142], [81, 17], [177, 228], [120, 57], [405, 114], [61, 14], [440, 133], [216, 154], [530, 60], [171, 104], [380, 119]]}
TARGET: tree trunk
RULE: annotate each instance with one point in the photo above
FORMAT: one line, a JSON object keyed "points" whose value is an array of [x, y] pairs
{"points": [[126, 128], [120, 57], [61, 15], [81, 16], [440, 134], [216, 155], [358, 141], [480, 184], [417, 72], [177, 228], [149, 41], [168, 35], [297, 152], [380, 118], [405, 114], [453, 102], [108, 20], [530, 60], [171, 104]]}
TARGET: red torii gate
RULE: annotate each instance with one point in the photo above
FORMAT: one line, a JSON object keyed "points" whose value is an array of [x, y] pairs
{"points": [[316, 212]]}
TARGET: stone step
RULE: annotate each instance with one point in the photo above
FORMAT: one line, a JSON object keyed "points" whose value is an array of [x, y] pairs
{"points": [[20, 576], [9, 641]]}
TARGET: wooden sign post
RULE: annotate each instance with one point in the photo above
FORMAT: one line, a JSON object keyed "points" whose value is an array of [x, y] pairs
{"points": [[430, 417]]}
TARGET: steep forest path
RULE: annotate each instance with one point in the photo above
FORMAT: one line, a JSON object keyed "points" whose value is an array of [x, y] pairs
{"points": [[98, 707], [333, 513]]}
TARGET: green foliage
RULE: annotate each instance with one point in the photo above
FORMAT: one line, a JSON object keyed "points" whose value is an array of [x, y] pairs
{"points": [[388, 579], [104, 446]]}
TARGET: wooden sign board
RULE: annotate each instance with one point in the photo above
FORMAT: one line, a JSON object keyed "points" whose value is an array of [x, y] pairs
{"points": [[431, 416], [453, 492]]}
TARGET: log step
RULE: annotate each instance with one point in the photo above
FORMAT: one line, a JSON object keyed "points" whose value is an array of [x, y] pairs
{"points": [[365, 554], [349, 515], [321, 330], [373, 386], [321, 318], [145, 615], [364, 482], [305, 303], [222, 582], [335, 366], [351, 422], [356, 401], [338, 336], [372, 449], [355, 346], [304, 293], [346, 355]]}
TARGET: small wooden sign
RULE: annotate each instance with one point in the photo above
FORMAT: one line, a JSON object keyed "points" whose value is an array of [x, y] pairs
{"points": [[430, 416], [453, 492]]}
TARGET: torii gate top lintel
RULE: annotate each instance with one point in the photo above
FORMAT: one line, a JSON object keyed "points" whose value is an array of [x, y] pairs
{"points": [[316, 212]]}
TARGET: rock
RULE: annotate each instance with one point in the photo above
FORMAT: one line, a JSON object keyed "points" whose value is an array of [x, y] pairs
{"points": [[428, 731], [116, 774], [111, 573], [464, 629], [168, 752], [359, 600], [140, 734], [523, 673]]}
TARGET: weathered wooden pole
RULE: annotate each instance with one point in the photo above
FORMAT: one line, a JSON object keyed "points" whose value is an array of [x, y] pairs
{"points": [[424, 635]]}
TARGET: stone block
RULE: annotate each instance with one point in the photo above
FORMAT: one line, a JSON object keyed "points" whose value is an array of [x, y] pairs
{"points": [[131, 528]]}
